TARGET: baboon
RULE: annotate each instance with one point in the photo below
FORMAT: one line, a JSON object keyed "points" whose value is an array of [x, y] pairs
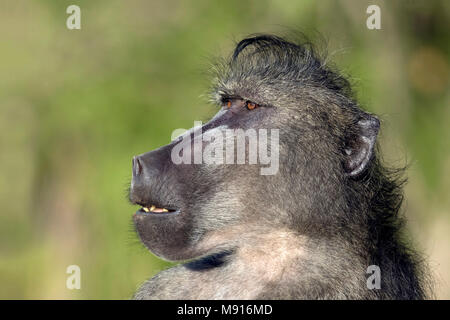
{"points": [[308, 231]]}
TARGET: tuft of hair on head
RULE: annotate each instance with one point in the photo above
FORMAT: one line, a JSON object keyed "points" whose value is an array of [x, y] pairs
{"points": [[298, 61]]}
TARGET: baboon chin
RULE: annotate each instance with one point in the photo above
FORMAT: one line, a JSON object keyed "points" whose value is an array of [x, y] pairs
{"points": [[308, 230]]}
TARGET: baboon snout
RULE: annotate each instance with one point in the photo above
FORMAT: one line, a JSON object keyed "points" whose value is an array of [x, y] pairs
{"points": [[147, 172]]}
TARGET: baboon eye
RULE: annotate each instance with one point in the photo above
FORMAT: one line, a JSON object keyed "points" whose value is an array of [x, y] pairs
{"points": [[227, 103], [251, 105]]}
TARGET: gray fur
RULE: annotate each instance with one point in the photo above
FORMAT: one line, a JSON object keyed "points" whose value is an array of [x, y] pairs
{"points": [[308, 232]]}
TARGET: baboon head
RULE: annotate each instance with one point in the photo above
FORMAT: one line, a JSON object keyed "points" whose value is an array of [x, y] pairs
{"points": [[284, 94]]}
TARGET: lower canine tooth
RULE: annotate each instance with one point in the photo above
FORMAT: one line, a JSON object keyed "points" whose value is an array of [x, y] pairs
{"points": [[152, 208], [145, 209], [165, 210]]}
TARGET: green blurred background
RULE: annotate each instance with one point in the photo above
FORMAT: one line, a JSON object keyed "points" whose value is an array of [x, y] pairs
{"points": [[76, 105]]}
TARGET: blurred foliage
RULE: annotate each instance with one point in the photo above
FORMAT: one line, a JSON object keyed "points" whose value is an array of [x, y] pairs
{"points": [[76, 105]]}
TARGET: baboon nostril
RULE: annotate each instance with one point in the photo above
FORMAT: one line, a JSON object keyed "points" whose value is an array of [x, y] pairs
{"points": [[137, 166]]}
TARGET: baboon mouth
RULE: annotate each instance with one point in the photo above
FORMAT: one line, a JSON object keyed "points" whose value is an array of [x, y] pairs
{"points": [[155, 210]]}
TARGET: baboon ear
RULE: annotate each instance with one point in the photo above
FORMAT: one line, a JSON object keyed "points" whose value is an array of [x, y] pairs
{"points": [[360, 145]]}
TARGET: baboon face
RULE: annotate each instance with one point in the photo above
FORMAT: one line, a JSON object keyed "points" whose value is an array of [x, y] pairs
{"points": [[309, 138], [188, 201]]}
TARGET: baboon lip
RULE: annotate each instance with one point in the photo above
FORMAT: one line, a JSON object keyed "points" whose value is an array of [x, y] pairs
{"points": [[153, 210]]}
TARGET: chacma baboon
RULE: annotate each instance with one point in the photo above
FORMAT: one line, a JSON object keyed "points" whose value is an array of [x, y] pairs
{"points": [[308, 231]]}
